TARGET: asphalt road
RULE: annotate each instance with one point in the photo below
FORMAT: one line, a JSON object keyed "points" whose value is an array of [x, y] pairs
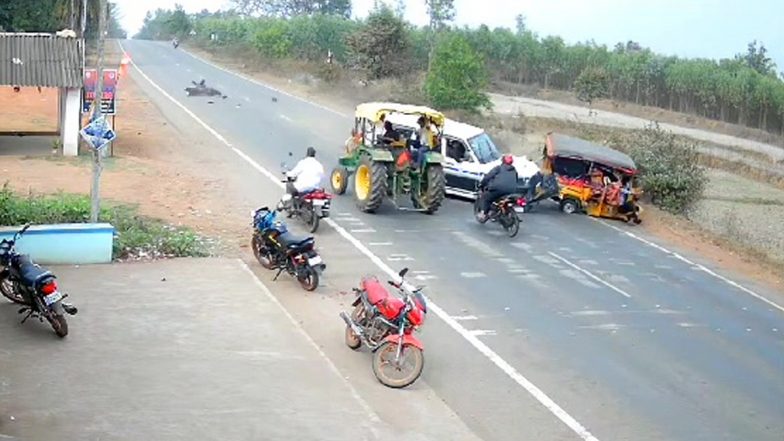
{"points": [[630, 340]]}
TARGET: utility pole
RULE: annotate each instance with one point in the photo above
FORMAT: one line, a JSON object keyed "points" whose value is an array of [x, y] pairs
{"points": [[98, 113]]}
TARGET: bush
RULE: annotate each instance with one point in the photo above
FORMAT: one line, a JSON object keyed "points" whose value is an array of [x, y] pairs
{"points": [[456, 77], [669, 168], [136, 235], [380, 47]]}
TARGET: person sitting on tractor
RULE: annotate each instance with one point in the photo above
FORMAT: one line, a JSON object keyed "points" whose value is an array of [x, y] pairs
{"points": [[423, 141], [498, 182], [391, 135], [306, 176]]}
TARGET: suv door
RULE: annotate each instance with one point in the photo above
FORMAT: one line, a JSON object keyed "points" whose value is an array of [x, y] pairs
{"points": [[460, 170]]}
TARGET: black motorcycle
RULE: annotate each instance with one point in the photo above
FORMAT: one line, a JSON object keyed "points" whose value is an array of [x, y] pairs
{"points": [[504, 210], [25, 283], [276, 248]]}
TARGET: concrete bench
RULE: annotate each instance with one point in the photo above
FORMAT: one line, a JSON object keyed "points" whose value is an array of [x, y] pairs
{"points": [[65, 244]]}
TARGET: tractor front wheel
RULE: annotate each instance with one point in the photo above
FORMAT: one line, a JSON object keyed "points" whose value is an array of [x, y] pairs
{"points": [[370, 184], [339, 179]]}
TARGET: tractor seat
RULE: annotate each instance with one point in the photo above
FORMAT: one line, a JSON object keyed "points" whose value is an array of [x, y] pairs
{"points": [[293, 242], [30, 273]]}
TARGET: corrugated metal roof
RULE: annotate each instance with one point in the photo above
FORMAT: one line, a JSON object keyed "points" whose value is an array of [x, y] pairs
{"points": [[42, 60]]}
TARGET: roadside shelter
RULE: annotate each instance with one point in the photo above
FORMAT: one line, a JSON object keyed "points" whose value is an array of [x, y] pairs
{"points": [[47, 61]]}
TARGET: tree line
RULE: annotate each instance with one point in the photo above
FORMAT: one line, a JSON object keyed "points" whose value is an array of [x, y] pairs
{"points": [[745, 89], [55, 15]]}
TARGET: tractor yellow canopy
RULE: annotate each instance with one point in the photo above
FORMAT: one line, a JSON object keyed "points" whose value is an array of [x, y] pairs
{"points": [[373, 111]]}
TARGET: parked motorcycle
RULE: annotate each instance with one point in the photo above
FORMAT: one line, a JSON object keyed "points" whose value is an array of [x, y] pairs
{"points": [[385, 324], [504, 211], [276, 248], [25, 283], [311, 207]]}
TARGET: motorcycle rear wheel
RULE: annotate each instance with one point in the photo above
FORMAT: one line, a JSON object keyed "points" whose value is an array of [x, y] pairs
{"points": [[511, 224], [9, 291], [312, 220], [310, 280], [388, 350], [59, 324]]}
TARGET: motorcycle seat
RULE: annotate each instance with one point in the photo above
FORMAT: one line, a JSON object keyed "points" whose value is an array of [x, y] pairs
{"points": [[293, 242], [30, 273]]}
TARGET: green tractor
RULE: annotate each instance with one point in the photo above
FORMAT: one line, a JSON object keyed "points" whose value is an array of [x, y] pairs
{"points": [[385, 169]]}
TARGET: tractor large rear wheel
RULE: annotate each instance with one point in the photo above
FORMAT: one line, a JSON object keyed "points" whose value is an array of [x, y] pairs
{"points": [[432, 195], [370, 184]]}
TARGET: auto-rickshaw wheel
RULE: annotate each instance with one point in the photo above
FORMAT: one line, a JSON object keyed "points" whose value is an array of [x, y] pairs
{"points": [[569, 206]]}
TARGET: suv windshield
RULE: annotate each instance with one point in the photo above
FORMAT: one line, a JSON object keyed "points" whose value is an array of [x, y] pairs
{"points": [[484, 148]]}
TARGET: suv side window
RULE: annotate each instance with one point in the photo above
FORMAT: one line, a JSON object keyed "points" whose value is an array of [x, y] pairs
{"points": [[457, 150]]}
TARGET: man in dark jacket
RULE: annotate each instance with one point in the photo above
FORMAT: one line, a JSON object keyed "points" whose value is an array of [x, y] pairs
{"points": [[500, 181]]}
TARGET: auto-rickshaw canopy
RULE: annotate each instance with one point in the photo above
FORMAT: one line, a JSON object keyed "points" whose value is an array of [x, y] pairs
{"points": [[374, 110], [558, 145]]}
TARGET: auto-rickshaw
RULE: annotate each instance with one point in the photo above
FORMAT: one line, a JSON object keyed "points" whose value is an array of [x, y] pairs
{"points": [[386, 168], [592, 178]]}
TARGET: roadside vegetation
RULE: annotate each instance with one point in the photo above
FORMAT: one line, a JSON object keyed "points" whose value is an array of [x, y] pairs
{"points": [[136, 236]]}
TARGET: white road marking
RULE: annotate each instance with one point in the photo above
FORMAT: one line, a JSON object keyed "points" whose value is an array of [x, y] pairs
{"points": [[517, 270], [697, 265], [246, 98], [523, 246], [485, 350], [588, 273], [365, 406], [464, 317], [604, 327], [399, 257], [425, 277], [380, 244], [363, 230], [469, 275], [482, 332], [285, 117], [188, 69], [349, 219]]}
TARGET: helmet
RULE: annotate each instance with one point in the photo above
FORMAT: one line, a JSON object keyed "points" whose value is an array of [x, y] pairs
{"points": [[311, 152], [507, 159]]}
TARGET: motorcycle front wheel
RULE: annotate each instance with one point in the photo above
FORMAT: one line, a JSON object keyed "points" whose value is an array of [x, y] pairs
{"points": [[309, 280], [398, 375], [59, 324], [9, 291], [261, 253]]}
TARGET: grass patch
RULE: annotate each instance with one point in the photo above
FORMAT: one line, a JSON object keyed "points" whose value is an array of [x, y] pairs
{"points": [[136, 236]]}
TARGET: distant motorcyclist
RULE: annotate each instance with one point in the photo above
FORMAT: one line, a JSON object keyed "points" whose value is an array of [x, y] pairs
{"points": [[175, 43], [498, 182], [307, 176]]}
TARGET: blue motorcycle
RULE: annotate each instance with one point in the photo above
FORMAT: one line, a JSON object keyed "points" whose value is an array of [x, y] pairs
{"points": [[276, 248]]}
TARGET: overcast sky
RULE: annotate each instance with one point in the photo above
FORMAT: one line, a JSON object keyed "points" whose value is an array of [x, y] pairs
{"points": [[693, 28]]}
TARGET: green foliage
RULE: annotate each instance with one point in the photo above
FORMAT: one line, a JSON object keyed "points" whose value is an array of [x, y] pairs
{"points": [[273, 40], [380, 46], [293, 8], [135, 235], [54, 15], [669, 168], [457, 76], [592, 84]]}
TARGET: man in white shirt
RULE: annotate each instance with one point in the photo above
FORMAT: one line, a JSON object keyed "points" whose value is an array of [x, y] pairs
{"points": [[307, 175]]}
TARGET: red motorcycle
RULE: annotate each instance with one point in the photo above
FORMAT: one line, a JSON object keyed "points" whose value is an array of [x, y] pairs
{"points": [[385, 324]]}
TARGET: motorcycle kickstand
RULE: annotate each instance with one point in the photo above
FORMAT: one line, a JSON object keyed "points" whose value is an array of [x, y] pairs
{"points": [[278, 274], [27, 316]]}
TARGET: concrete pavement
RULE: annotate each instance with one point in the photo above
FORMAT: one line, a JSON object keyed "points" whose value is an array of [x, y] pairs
{"points": [[176, 350], [633, 342]]}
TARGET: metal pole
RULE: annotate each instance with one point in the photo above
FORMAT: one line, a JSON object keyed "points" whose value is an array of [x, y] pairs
{"points": [[97, 156]]}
